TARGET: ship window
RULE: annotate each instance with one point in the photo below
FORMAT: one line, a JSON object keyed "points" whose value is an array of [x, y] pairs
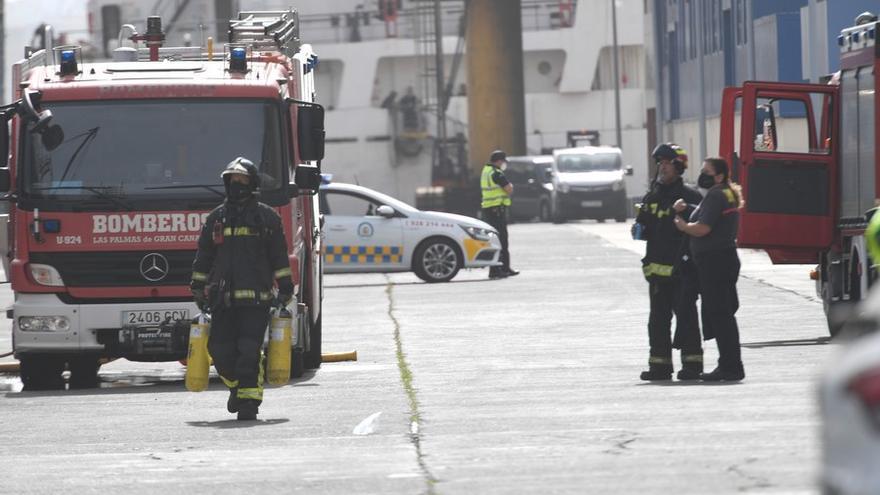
{"points": [[328, 82]]}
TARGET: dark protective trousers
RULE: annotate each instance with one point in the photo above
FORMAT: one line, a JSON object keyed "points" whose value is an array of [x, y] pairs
{"points": [[718, 272], [236, 341], [676, 295], [497, 217]]}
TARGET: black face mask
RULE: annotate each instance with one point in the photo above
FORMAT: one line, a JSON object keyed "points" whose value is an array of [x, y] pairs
{"points": [[236, 191], [705, 180]]}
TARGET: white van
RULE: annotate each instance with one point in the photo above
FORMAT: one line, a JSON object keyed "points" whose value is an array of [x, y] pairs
{"points": [[588, 182]]}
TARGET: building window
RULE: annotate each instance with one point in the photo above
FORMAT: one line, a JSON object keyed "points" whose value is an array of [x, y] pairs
{"points": [[692, 28], [707, 33], [716, 26], [742, 22]]}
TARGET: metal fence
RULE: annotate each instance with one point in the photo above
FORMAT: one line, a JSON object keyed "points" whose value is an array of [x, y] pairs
{"points": [[368, 25]]}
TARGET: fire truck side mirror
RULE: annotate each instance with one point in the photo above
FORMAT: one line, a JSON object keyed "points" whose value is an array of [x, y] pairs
{"points": [[307, 178], [5, 180], [292, 190], [310, 131], [4, 142], [52, 137]]}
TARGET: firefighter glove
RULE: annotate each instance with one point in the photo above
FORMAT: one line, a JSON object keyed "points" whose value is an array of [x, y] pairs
{"points": [[283, 299], [200, 298]]}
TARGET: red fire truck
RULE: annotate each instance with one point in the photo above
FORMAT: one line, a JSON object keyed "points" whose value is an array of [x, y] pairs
{"points": [[113, 167], [806, 156]]}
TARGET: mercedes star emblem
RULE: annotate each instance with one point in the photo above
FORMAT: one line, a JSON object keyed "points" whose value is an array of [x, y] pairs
{"points": [[154, 267]]}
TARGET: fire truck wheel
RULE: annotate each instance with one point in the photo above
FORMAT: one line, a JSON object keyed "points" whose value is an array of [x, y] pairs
{"points": [[437, 259], [84, 372], [297, 364], [42, 372], [313, 355]]}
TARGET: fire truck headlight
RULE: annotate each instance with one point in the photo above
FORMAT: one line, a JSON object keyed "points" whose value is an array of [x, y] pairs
{"points": [[46, 275], [44, 324]]}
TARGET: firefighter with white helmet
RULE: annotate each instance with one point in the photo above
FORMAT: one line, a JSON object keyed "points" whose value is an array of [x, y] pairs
{"points": [[667, 267], [241, 270]]}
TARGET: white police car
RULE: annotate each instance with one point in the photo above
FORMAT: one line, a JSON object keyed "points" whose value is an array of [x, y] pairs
{"points": [[367, 231]]}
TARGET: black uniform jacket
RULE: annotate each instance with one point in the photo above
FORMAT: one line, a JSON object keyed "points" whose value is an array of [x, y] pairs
{"points": [[242, 253], [666, 244]]}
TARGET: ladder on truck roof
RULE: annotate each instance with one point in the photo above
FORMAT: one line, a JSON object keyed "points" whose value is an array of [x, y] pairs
{"points": [[267, 30]]}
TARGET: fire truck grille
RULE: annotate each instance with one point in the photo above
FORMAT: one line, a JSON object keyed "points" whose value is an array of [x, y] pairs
{"points": [[120, 269]]}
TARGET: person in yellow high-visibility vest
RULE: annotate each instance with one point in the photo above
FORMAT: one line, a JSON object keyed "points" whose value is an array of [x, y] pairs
{"points": [[872, 236], [496, 191]]}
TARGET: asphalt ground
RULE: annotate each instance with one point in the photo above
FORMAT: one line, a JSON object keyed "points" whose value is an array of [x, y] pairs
{"points": [[527, 384]]}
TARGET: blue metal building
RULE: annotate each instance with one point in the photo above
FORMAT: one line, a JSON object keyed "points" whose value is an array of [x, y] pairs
{"points": [[739, 40]]}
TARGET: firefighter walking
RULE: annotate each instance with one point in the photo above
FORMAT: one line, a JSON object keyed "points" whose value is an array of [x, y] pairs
{"points": [[672, 281], [241, 260], [496, 191]]}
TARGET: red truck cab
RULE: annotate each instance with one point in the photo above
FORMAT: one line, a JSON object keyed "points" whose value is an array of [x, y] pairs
{"points": [[113, 167]]}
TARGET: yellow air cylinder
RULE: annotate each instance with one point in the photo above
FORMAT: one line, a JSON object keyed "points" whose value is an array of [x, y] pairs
{"points": [[197, 359], [280, 331]]}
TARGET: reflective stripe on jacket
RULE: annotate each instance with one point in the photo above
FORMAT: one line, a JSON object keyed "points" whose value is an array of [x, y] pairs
{"points": [[242, 255], [493, 194]]}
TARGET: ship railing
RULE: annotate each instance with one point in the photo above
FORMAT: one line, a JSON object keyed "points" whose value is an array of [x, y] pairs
{"points": [[366, 25]]}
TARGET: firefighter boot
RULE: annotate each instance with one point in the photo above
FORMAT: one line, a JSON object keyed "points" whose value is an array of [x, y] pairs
{"points": [[657, 372], [691, 367], [720, 375], [248, 409], [232, 401]]}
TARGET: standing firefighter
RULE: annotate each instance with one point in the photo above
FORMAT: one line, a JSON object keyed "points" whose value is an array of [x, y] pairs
{"points": [[242, 255], [496, 191], [672, 281]]}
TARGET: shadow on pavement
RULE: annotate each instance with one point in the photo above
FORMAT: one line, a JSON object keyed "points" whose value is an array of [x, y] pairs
{"points": [[787, 343], [685, 383], [385, 284], [234, 423], [133, 384]]}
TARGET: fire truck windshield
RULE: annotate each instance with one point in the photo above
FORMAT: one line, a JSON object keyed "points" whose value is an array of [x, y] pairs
{"points": [[134, 151]]}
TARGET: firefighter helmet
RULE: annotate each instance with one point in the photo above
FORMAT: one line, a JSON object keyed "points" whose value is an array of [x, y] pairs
{"points": [[672, 152], [242, 166]]}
